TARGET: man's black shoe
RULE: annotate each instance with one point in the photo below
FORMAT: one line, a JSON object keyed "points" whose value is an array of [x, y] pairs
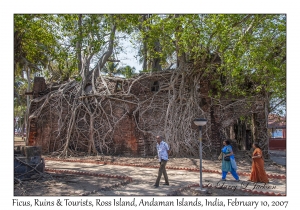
{"points": [[166, 184], [156, 186]]}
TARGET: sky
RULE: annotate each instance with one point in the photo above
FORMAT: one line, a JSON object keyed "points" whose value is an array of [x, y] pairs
{"points": [[127, 57]]}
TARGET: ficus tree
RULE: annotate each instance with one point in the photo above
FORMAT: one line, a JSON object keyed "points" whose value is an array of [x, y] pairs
{"points": [[35, 45], [250, 49]]}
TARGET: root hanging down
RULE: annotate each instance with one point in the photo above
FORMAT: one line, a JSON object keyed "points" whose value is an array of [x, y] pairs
{"points": [[123, 116]]}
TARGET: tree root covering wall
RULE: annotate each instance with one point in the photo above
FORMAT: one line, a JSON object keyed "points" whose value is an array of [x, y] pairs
{"points": [[123, 116]]}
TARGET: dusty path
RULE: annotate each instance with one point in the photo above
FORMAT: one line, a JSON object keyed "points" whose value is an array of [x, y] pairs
{"points": [[143, 179], [143, 176]]}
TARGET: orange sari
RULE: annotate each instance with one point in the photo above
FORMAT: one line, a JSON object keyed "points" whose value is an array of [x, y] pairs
{"points": [[258, 173]]}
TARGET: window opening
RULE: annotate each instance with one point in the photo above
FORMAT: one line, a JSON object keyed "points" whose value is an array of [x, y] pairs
{"points": [[155, 86], [118, 86]]}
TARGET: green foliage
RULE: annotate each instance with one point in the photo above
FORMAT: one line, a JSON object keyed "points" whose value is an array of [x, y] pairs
{"points": [[20, 87], [127, 71], [78, 78], [111, 68], [35, 42], [251, 47]]}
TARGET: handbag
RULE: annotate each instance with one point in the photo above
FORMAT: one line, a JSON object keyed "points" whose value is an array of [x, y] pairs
{"points": [[220, 156], [227, 158]]}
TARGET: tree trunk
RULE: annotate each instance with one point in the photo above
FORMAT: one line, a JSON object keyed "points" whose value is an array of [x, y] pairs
{"points": [[243, 139], [107, 54], [23, 126], [79, 43], [145, 48], [70, 128], [91, 144], [180, 57], [156, 66], [145, 57], [27, 70], [232, 135], [254, 129]]}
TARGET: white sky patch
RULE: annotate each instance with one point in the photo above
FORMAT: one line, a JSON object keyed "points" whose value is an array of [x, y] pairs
{"points": [[128, 56]]}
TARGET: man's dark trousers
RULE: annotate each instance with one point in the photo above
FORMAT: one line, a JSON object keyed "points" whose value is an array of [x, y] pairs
{"points": [[162, 170]]}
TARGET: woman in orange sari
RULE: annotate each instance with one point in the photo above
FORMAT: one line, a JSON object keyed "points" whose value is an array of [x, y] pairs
{"points": [[258, 173]]}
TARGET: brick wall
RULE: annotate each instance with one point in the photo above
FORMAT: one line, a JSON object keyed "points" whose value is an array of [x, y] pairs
{"points": [[277, 144], [125, 137]]}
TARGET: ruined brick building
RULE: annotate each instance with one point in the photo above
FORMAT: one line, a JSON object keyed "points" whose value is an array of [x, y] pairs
{"points": [[122, 116]]}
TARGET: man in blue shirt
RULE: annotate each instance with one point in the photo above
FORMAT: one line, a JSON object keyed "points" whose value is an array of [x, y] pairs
{"points": [[163, 154]]}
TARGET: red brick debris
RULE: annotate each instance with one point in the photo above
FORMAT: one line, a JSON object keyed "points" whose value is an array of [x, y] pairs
{"points": [[126, 179]]}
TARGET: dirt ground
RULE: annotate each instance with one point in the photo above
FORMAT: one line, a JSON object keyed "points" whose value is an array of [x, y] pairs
{"points": [[243, 162], [52, 184], [74, 185], [65, 185]]}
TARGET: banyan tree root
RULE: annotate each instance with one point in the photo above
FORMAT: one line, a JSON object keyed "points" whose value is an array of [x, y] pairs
{"points": [[69, 122]]}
